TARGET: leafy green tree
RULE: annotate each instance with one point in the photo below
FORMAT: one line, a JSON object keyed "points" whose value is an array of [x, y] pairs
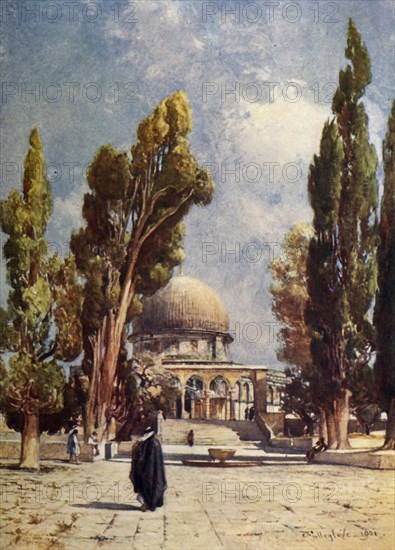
{"points": [[342, 265], [367, 415], [150, 389], [299, 399], [41, 325], [133, 237], [384, 316], [289, 292]]}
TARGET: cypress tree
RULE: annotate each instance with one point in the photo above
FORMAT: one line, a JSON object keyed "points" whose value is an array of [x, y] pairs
{"points": [[41, 323], [342, 273], [325, 294], [384, 316]]}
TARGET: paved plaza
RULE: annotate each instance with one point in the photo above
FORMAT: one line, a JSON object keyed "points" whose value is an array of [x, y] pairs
{"points": [[283, 504]]}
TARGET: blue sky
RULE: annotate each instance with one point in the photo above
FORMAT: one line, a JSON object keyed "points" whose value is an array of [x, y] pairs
{"points": [[259, 76]]}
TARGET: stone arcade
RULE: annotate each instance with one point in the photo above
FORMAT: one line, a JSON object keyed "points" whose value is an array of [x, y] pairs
{"points": [[187, 324]]}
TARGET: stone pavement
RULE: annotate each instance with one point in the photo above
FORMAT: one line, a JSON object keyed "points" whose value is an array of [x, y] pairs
{"points": [[284, 504]]}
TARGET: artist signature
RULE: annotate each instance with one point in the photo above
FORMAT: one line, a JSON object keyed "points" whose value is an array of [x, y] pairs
{"points": [[336, 534]]}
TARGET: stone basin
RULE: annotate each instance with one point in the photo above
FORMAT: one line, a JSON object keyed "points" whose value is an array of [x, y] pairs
{"points": [[221, 454]]}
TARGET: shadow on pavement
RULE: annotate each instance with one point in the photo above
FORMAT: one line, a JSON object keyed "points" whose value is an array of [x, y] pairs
{"points": [[179, 457], [109, 506]]}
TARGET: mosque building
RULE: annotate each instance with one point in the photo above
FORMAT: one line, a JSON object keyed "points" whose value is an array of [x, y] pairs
{"points": [[187, 324]]}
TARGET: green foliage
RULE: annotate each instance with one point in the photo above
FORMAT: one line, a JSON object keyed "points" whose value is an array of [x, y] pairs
{"points": [[68, 299], [41, 322], [367, 415], [354, 79], [343, 194], [51, 419], [324, 184], [133, 212], [362, 383], [3, 384], [299, 397], [289, 293], [8, 335], [45, 380], [325, 307], [156, 390], [384, 315]]}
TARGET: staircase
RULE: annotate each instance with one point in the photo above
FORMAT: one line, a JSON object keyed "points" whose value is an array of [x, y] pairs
{"points": [[215, 433], [207, 432]]}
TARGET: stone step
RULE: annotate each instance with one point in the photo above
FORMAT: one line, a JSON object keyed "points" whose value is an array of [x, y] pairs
{"points": [[206, 433]]}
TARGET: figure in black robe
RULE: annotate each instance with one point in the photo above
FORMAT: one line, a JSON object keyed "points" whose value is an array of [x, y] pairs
{"points": [[148, 471], [191, 438], [319, 447]]}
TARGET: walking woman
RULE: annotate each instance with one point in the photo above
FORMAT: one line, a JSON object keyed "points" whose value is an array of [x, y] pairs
{"points": [[73, 447]]}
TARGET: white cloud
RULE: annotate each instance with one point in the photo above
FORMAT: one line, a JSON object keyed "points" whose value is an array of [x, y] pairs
{"points": [[280, 131], [377, 124], [65, 219]]}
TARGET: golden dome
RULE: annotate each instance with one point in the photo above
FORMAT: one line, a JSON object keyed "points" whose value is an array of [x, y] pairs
{"points": [[184, 304]]}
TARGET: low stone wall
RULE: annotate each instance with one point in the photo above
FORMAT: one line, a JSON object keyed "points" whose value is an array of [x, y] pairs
{"points": [[49, 450], [125, 448], [378, 460], [275, 421], [357, 441], [302, 443]]}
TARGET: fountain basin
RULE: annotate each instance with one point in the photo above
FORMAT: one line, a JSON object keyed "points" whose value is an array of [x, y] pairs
{"points": [[221, 454]]}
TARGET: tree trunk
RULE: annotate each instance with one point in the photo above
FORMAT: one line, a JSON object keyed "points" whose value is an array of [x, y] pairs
{"points": [[30, 442], [105, 361], [108, 369], [342, 414], [91, 408], [331, 428], [323, 428], [389, 443]]}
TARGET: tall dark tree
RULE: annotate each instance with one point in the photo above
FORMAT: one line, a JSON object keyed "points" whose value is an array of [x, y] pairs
{"points": [[133, 236], [323, 315], [41, 325], [342, 264], [384, 316]]}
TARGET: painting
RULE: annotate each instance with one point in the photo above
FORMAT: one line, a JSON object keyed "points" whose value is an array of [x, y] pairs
{"points": [[197, 291]]}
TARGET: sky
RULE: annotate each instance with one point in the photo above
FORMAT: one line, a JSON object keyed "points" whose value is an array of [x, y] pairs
{"points": [[259, 76]]}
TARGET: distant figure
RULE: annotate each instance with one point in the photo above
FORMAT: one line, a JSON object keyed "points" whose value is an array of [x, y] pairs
{"points": [[73, 447], [191, 438], [159, 425], [246, 413], [320, 446], [148, 471], [92, 440], [251, 414]]}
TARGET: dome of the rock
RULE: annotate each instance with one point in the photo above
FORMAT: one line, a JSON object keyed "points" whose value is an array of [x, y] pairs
{"points": [[184, 304]]}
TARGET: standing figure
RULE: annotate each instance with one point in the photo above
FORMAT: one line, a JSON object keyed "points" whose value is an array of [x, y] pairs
{"points": [[73, 447], [317, 448], [191, 438], [159, 425], [251, 414], [148, 471], [92, 440], [246, 413]]}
